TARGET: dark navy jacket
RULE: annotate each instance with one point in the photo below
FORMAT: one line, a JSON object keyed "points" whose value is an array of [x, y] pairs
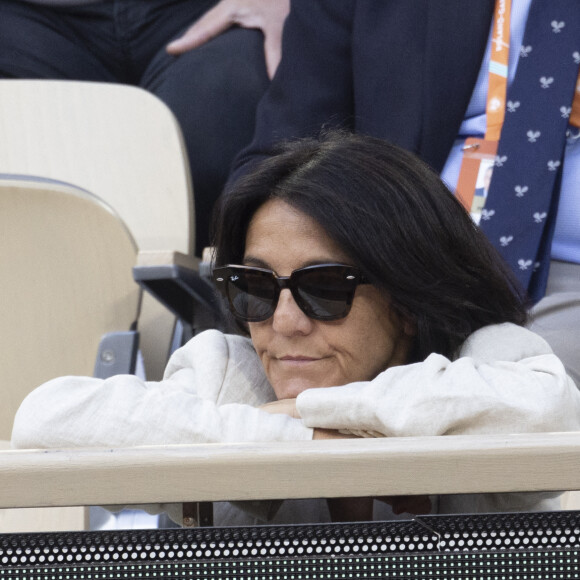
{"points": [[402, 70]]}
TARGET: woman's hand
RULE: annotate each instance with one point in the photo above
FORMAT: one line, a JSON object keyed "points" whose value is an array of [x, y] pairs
{"points": [[265, 15], [283, 407], [288, 407]]}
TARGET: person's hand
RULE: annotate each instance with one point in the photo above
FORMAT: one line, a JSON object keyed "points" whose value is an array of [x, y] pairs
{"points": [[266, 15], [288, 407], [411, 504], [283, 406], [331, 434]]}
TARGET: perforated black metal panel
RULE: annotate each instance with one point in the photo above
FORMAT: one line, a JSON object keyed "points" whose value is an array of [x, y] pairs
{"points": [[478, 547]]}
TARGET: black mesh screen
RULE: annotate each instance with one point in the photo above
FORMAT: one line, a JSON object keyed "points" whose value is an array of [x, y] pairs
{"points": [[476, 547]]}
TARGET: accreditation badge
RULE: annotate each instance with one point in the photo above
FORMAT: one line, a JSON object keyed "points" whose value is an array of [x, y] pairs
{"points": [[475, 175]]}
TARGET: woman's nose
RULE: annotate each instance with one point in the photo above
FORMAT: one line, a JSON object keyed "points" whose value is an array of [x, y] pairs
{"points": [[288, 319]]}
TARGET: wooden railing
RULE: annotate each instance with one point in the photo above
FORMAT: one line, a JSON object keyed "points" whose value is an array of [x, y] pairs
{"points": [[244, 471]]}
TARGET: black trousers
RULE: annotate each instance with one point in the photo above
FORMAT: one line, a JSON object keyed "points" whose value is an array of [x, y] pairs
{"points": [[213, 90]]}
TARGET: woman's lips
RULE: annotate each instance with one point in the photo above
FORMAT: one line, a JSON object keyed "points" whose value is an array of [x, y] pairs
{"points": [[297, 360]]}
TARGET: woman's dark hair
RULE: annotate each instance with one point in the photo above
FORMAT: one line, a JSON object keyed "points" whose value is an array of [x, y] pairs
{"points": [[398, 223]]}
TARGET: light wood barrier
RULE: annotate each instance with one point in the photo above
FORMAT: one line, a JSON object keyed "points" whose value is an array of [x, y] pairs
{"points": [[244, 471], [523, 546]]}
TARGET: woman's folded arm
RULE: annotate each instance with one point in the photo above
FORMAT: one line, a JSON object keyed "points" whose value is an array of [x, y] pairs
{"points": [[505, 380], [209, 394]]}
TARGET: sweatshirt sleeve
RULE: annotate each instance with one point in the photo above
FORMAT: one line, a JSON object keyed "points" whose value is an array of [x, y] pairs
{"points": [[208, 394], [505, 380]]}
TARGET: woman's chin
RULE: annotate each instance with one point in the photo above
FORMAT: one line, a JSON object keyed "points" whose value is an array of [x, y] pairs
{"points": [[290, 388], [289, 378]]}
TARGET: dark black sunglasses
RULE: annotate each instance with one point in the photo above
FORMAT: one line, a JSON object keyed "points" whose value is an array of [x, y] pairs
{"points": [[323, 291]]}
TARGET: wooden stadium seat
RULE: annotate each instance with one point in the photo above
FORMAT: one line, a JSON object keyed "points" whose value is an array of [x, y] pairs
{"points": [[120, 143], [68, 302]]}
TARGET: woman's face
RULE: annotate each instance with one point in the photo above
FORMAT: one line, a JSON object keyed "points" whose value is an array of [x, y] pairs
{"points": [[298, 352]]}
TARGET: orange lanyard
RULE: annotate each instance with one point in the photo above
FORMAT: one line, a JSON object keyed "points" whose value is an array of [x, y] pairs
{"points": [[498, 69], [479, 154]]}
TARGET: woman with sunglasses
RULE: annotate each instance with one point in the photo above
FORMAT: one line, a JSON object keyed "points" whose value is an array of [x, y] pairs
{"points": [[369, 304]]}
